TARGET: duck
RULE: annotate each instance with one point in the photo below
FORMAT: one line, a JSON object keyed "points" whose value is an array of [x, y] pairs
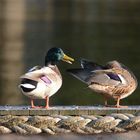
{"points": [[112, 80], [43, 82]]}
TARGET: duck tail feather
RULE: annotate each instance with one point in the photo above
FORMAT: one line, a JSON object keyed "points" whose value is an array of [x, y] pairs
{"points": [[87, 64], [80, 73]]}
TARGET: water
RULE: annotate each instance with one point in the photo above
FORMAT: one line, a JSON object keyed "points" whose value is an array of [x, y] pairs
{"points": [[120, 136], [92, 29]]}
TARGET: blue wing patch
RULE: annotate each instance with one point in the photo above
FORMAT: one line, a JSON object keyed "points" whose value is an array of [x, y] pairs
{"points": [[114, 77]]}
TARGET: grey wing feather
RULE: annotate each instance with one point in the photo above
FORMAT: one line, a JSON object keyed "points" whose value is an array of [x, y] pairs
{"points": [[81, 74], [101, 79]]}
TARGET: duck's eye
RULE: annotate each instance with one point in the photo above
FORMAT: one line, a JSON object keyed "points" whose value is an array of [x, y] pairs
{"points": [[59, 52]]}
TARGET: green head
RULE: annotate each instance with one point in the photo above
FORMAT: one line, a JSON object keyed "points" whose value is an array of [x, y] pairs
{"points": [[54, 55]]}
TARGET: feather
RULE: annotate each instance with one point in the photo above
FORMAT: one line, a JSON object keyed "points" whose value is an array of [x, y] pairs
{"points": [[114, 76], [46, 80], [34, 68], [80, 73], [29, 86], [86, 64]]}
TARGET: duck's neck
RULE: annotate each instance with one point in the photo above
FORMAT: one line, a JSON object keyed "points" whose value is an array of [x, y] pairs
{"points": [[54, 67], [47, 63]]}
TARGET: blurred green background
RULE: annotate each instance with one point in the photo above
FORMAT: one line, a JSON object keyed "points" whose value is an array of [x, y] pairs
{"points": [[99, 30]]}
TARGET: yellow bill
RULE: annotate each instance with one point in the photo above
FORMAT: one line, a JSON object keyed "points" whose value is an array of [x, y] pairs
{"points": [[67, 59]]}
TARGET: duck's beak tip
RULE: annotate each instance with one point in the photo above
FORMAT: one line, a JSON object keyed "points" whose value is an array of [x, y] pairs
{"points": [[67, 59]]}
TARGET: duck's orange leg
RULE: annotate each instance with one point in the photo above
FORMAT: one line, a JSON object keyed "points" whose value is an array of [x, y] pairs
{"points": [[118, 104], [33, 106], [47, 103], [115, 106], [106, 103]]}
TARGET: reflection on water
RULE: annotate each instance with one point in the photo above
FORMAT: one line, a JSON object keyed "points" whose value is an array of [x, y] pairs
{"points": [[97, 30], [121, 136]]}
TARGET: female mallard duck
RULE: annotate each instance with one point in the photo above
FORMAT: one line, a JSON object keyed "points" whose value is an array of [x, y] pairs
{"points": [[113, 80], [42, 82]]}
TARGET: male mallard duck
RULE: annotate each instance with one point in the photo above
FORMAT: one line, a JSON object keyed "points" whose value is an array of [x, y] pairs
{"points": [[42, 82], [113, 80]]}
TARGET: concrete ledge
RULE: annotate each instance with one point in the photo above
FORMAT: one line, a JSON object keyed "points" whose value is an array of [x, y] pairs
{"points": [[66, 110]]}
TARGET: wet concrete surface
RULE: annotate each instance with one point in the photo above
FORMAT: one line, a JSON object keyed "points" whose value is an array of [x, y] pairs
{"points": [[67, 110]]}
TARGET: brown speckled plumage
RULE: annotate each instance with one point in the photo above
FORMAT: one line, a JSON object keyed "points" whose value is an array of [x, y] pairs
{"points": [[114, 80]]}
